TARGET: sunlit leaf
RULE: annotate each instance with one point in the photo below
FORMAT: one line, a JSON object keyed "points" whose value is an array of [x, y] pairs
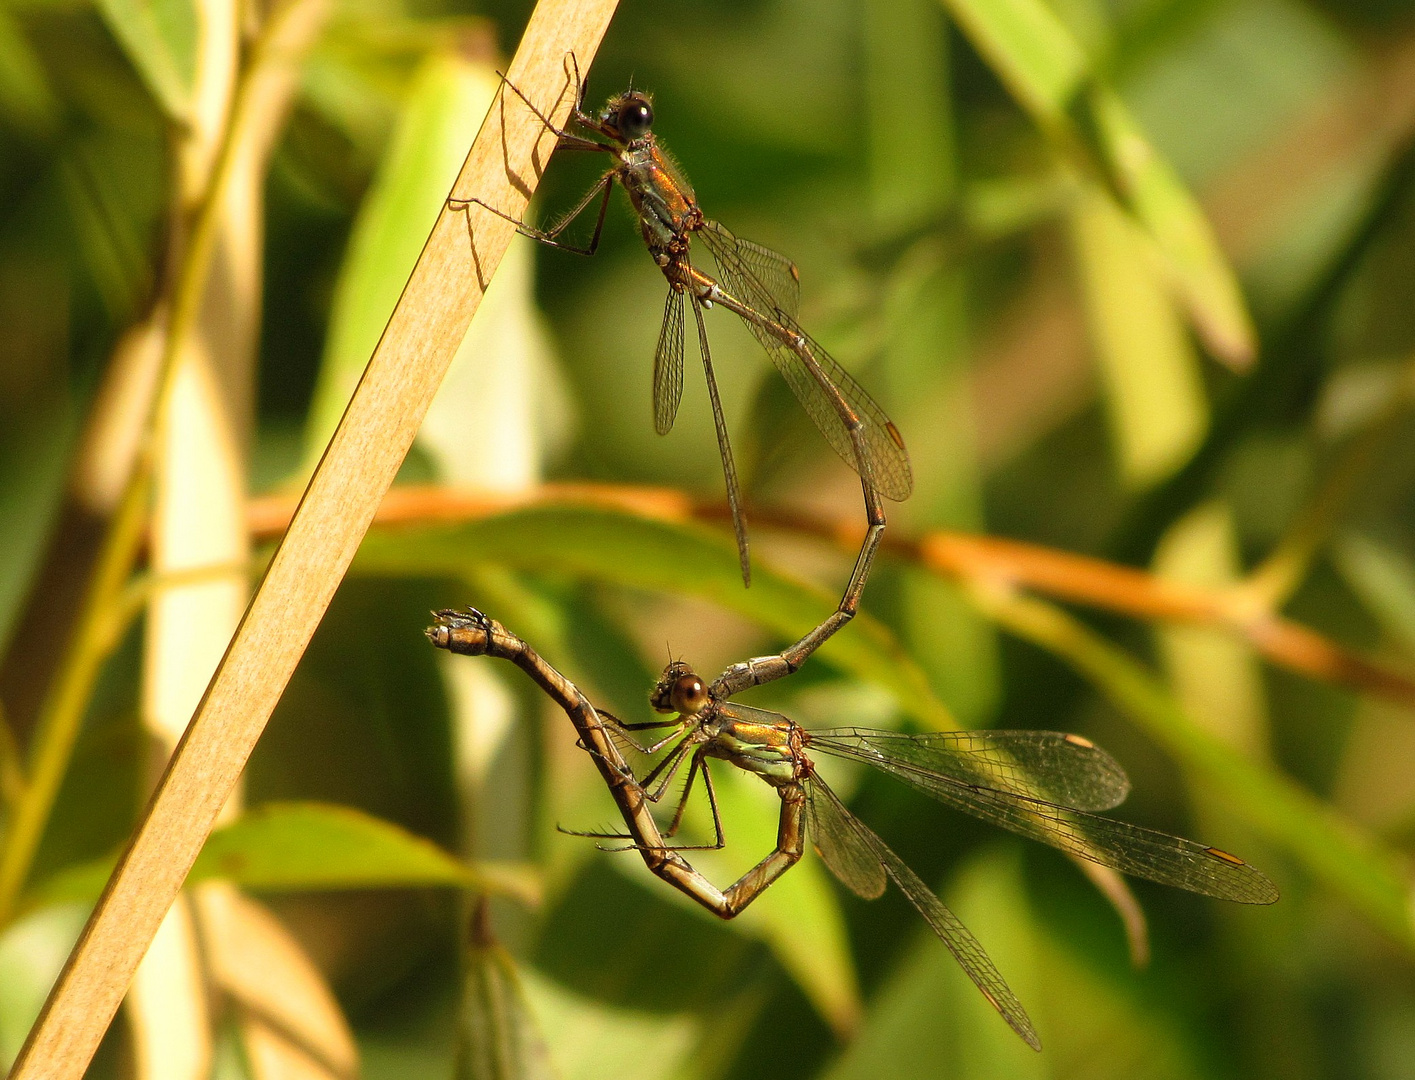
{"points": [[446, 104], [1048, 73], [1154, 394], [1214, 674], [32, 951], [590, 1040]]}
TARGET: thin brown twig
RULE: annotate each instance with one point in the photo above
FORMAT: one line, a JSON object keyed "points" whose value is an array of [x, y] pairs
{"points": [[1060, 574]]}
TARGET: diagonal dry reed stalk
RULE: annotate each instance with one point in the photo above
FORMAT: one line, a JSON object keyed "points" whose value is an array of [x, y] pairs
{"points": [[428, 324]]}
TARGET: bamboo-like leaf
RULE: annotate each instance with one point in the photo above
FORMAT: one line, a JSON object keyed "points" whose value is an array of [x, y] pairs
{"points": [[446, 103], [159, 37], [1154, 394], [1048, 73], [304, 845], [32, 950], [1385, 581], [686, 559]]}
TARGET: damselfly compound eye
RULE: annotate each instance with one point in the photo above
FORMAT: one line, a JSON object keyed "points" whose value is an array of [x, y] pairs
{"points": [[635, 118], [688, 695]]}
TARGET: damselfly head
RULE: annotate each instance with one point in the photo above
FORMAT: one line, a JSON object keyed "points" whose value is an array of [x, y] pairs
{"points": [[628, 116], [679, 690]]}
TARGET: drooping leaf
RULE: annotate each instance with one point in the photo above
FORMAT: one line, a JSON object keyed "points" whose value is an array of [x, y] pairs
{"points": [[614, 545], [590, 1040], [446, 104], [1153, 389], [298, 846], [1385, 581]]}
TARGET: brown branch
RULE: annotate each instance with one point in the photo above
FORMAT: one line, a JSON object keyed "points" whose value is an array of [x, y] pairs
{"points": [[1059, 574]]}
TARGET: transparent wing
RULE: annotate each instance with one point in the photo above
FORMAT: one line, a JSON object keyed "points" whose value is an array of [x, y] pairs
{"points": [[1156, 856], [724, 450], [668, 365], [840, 847], [1048, 765], [955, 936], [775, 273], [813, 375]]}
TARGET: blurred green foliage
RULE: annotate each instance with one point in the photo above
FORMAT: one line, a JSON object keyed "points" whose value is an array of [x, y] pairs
{"points": [[1038, 230]]}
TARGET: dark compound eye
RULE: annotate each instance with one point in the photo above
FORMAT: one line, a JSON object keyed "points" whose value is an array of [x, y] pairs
{"points": [[689, 694], [635, 118]]}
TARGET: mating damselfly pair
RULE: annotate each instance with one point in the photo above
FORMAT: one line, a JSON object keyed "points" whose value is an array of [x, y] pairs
{"points": [[1046, 786]]}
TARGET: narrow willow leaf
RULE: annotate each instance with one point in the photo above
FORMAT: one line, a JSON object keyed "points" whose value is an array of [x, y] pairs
{"points": [[592, 1040], [26, 97], [302, 846], [1046, 70], [1153, 390], [688, 560], [32, 950], [1214, 673], [446, 104], [497, 1037], [1384, 579], [160, 38]]}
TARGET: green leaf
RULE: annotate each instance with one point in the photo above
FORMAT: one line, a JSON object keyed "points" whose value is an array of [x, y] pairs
{"points": [[590, 1040], [298, 846], [1370, 876], [32, 952], [446, 104], [1153, 388], [26, 98], [1384, 579], [681, 558], [497, 1038], [929, 1019], [160, 39], [1046, 70]]}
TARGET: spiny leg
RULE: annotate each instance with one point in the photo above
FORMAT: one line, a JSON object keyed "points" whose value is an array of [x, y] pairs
{"points": [[663, 772], [719, 838], [548, 236], [699, 763]]}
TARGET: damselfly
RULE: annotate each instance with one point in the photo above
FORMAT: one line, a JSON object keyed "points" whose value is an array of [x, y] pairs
{"points": [[1043, 785], [758, 285]]}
